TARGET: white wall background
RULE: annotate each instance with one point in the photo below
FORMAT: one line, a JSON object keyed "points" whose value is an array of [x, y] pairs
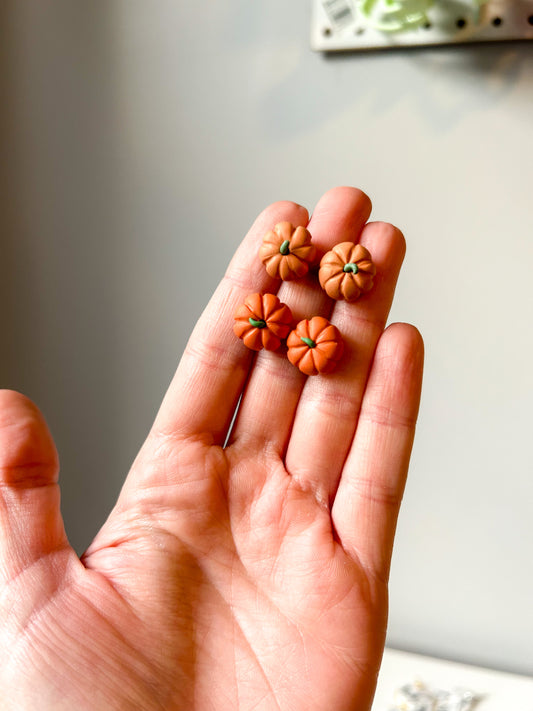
{"points": [[140, 136]]}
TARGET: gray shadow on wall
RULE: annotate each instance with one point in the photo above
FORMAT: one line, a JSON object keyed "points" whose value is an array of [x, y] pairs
{"points": [[477, 76], [57, 254]]}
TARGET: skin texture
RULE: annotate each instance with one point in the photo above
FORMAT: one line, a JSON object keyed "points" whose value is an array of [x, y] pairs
{"points": [[249, 577]]}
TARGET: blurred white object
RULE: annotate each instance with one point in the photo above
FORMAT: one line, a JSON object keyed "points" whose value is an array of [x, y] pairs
{"points": [[447, 686], [418, 697], [379, 24]]}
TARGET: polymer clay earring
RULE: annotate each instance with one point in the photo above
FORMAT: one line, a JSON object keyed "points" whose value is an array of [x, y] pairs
{"points": [[287, 251], [315, 346], [346, 271], [262, 321]]}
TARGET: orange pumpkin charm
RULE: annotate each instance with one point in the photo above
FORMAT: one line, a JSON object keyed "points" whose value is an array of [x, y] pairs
{"points": [[315, 346], [262, 321], [287, 252], [346, 271]]}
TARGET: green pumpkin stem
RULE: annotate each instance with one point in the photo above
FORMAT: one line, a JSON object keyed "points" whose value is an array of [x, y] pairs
{"points": [[257, 323], [284, 249]]}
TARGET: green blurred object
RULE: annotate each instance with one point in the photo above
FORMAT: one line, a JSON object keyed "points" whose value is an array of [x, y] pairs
{"points": [[395, 15]]}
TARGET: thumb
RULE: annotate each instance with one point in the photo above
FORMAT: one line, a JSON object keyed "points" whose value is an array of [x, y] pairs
{"points": [[31, 526]]}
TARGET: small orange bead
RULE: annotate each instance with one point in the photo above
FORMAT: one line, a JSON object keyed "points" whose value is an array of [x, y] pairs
{"points": [[262, 321], [346, 271], [315, 346], [287, 251]]}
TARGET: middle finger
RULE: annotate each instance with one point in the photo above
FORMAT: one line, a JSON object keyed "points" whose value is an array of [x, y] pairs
{"points": [[274, 388]]}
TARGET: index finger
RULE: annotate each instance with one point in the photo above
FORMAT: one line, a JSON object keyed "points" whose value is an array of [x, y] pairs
{"points": [[204, 392]]}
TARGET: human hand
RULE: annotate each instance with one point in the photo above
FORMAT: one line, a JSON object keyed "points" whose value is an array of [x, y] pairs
{"points": [[247, 577]]}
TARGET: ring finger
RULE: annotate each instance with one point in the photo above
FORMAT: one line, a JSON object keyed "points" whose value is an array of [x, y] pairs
{"points": [[328, 409]]}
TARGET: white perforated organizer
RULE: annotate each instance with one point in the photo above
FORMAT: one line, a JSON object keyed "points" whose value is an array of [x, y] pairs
{"points": [[341, 25]]}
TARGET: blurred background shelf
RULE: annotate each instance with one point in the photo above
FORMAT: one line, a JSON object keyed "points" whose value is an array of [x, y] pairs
{"points": [[349, 25]]}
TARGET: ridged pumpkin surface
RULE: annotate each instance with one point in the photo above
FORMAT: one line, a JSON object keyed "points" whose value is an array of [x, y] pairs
{"points": [[287, 251], [346, 271], [315, 346], [262, 321]]}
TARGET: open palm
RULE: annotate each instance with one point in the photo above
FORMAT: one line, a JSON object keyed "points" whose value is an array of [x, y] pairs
{"points": [[246, 576]]}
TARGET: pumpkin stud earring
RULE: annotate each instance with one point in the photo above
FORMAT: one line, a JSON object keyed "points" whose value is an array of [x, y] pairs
{"points": [[287, 251], [346, 271], [262, 321], [315, 346]]}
